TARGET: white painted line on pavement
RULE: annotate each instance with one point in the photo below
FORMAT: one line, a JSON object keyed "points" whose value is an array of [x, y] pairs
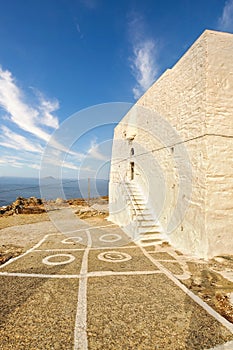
{"points": [[89, 274], [80, 330], [114, 256], [28, 251], [60, 250], [72, 240], [226, 346], [193, 296], [170, 261], [103, 238], [39, 275], [121, 247], [82, 249], [47, 259], [122, 273]]}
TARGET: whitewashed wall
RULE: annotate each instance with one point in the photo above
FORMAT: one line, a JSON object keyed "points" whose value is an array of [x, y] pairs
{"points": [[195, 97]]}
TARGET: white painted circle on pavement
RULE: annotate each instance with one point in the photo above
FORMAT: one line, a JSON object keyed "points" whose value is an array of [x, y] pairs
{"points": [[109, 237], [72, 240], [113, 256], [54, 263]]}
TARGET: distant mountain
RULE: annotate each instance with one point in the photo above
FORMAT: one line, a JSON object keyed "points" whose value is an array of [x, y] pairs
{"points": [[49, 178]]}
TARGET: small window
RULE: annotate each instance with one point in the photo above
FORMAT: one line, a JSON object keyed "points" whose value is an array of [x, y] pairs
{"points": [[132, 151]]}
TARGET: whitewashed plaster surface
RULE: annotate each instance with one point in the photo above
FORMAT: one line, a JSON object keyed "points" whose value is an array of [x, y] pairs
{"points": [[181, 130]]}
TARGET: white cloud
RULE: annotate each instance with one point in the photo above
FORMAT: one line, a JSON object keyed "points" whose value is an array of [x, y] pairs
{"points": [[34, 166], [36, 120], [11, 161], [23, 115], [94, 152], [81, 36], [144, 67], [143, 60], [47, 107], [226, 20], [57, 162], [58, 147], [12, 140]]}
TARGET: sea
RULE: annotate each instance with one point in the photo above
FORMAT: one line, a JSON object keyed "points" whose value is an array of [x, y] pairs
{"points": [[50, 188]]}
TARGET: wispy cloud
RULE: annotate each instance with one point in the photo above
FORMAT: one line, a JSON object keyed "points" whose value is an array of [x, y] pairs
{"points": [[94, 151], [77, 25], [143, 61], [34, 166], [12, 161], [26, 117], [58, 162], [26, 128], [226, 20], [15, 141], [46, 108]]}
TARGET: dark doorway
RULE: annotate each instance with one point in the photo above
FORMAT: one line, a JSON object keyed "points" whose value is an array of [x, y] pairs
{"points": [[131, 170]]}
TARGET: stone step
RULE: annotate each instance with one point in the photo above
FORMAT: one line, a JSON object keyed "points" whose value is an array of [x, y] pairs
{"points": [[140, 211], [134, 191], [152, 235], [140, 205], [150, 243], [136, 202], [148, 223], [149, 220], [136, 194], [139, 201], [145, 217], [147, 230], [138, 198]]}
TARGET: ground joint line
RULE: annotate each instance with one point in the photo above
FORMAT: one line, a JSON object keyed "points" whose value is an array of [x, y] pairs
{"points": [[37, 245], [80, 331], [193, 296]]}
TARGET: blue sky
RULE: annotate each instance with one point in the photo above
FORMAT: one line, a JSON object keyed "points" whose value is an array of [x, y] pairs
{"points": [[58, 57]]}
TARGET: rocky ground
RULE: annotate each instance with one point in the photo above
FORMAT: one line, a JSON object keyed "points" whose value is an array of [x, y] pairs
{"points": [[211, 280], [211, 286]]}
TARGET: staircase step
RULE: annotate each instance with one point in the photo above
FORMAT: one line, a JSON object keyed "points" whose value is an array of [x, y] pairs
{"points": [[146, 230], [145, 217], [137, 199], [147, 221], [140, 206], [144, 224], [149, 228], [148, 236], [146, 214], [141, 202], [149, 243]]}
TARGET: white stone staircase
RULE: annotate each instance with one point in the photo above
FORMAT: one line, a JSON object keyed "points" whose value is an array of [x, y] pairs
{"points": [[149, 230]]}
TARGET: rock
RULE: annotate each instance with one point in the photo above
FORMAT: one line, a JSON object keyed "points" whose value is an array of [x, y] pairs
{"points": [[22, 205], [8, 252], [33, 210], [60, 201]]}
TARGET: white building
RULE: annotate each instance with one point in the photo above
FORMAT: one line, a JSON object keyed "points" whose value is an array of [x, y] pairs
{"points": [[172, 160]]}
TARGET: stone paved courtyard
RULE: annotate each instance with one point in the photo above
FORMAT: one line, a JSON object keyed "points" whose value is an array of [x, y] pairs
{"points": [[95, 289]]}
